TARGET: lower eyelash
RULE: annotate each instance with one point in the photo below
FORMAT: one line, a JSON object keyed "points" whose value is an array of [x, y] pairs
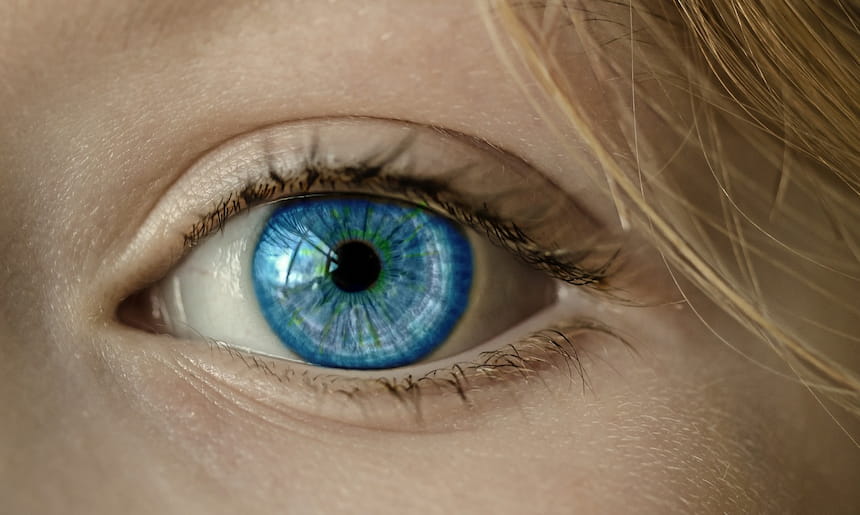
{"points": [[545, 350]]}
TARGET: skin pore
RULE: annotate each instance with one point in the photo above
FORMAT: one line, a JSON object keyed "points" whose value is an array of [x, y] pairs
{"points": [[107, 104]]}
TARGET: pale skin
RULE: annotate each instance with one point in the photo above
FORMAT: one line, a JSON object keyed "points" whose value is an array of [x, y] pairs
{"points": [[106, 104]]}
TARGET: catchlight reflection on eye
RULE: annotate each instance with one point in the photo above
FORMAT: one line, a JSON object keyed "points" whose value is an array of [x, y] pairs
{"points": [[361, 284]]}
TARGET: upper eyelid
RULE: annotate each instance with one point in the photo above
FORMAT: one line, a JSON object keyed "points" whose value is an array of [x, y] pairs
{"points": [[250, 159], [369, 167]]}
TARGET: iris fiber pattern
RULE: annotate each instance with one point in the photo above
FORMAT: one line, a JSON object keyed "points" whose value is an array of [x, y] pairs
{"points": [[359, 283]]}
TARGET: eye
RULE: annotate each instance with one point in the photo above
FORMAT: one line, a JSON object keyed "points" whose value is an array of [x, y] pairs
{"points": [[366, 245], [347, 282]]}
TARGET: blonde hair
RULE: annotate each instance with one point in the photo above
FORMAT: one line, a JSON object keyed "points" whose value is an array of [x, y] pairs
{"points": [[784, 76]]}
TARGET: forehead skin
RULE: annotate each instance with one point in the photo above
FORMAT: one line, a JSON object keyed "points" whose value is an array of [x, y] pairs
{"points": [[104, 105]]}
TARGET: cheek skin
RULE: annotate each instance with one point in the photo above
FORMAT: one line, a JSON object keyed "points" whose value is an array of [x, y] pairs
{"points": [[644, 433]]}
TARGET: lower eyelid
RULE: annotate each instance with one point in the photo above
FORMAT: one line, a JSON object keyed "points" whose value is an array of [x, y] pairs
{"points": [[451, 398]]}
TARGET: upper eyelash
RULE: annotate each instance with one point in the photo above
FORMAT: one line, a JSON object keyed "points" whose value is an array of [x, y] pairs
{"points": [[562, 265]]}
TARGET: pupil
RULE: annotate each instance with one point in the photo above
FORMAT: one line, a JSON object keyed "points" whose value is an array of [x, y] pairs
{"points": [[355, 266]]}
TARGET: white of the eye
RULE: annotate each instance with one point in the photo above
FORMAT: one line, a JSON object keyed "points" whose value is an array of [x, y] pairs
{"points": [[211, 293]]}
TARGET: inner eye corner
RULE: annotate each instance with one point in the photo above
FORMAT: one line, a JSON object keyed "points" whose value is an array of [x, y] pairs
{"points": [[140, 310]]}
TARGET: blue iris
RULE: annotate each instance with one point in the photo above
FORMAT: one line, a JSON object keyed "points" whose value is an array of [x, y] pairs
{"points": [[350, 282]]}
